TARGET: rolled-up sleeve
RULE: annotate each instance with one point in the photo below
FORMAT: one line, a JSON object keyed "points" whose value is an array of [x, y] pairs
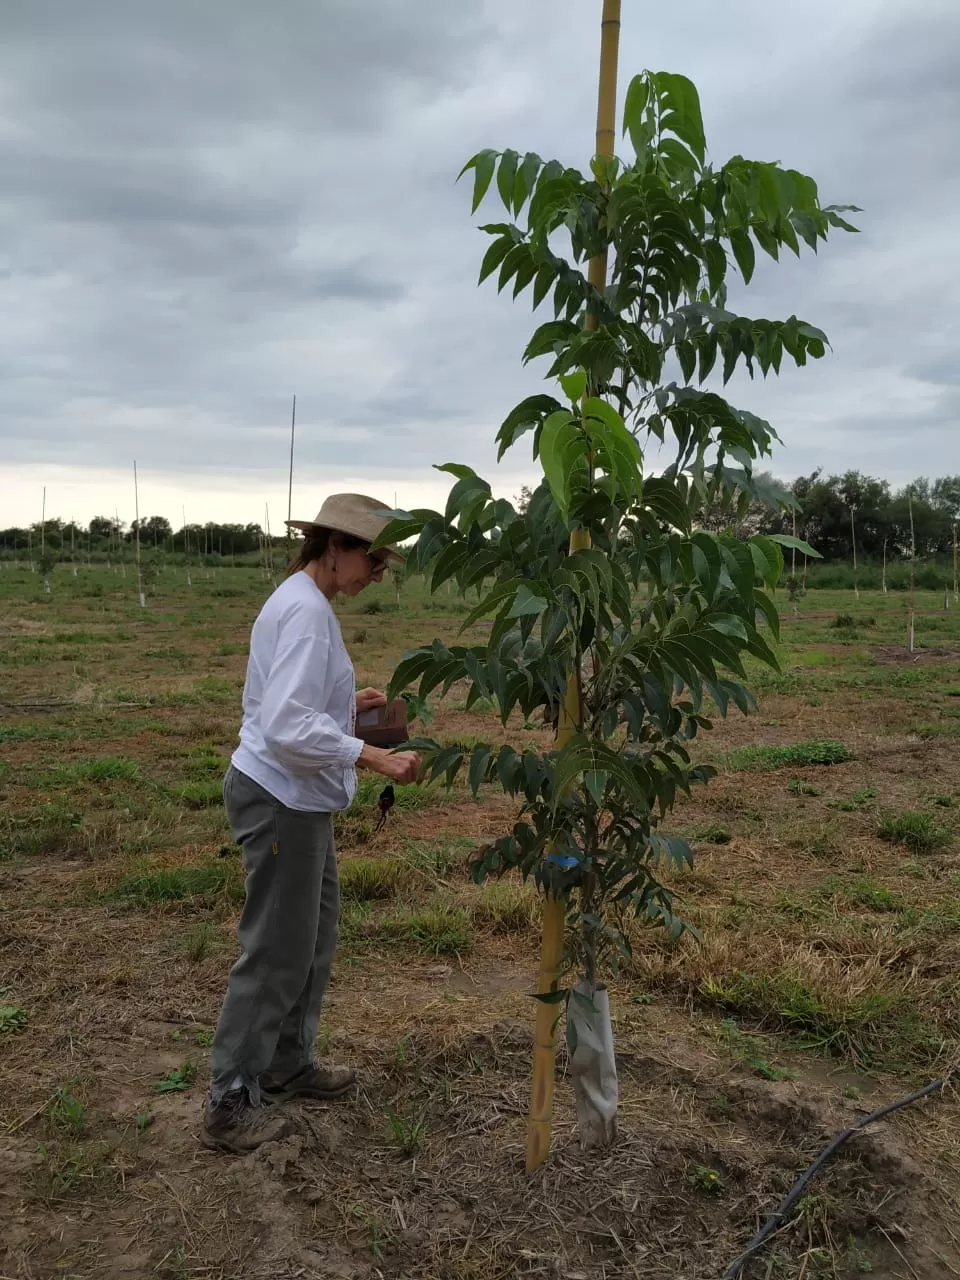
{"points": [[295, 727]]}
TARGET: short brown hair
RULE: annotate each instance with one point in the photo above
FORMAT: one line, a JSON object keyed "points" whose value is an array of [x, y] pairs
{"points": [[318, 541]]}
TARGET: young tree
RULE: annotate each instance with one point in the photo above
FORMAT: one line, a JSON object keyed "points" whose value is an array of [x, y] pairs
{"points": [[632, 683]]}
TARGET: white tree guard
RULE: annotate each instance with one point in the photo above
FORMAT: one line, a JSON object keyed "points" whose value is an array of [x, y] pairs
{"points": [[593, 1064]]}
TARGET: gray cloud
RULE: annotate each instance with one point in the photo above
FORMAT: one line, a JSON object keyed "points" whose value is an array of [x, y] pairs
{"points": [[208, 207]]}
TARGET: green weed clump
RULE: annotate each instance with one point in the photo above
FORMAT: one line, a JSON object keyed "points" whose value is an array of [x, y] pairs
{"points": [[439, 929], [65, 1111], [862, 892], [797, 754], [177, 884], [867, 1027], [202, 795], [12, 1018], [49, 828], [917, 831], [98, 769], [369, 879], [505, 908]]}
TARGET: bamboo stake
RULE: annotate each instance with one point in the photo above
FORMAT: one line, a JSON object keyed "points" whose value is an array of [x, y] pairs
{"points": [[123, 563], [883, 579], [136, 509], [793, 566], [43, 544], [293, 426], [853, 540], [186, 545], [911, 630], [956, 594], [540, 1119]]}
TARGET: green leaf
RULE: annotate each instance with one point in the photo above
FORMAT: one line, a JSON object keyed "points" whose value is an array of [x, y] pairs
{"points": [[506, 177], [716, 261], [742, 247], [526, 603], [729, 625], [523, 417], [526, 177], [768, 559], [679, 154], [767, 240], [684, 102], [634, 107], [490, 603], [560, 440], [478, 766], [483, 165], [785, 540], [574, 384], [550, 997], [595, 781], [769, 611], [458, 469], [495, 254]]}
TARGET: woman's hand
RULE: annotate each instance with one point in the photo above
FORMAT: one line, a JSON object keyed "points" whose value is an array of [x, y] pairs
{"points": [[370, 699], [398, 766], [401, 766]]}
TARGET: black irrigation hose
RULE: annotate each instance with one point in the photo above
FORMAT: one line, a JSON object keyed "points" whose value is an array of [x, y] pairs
{"points": [[779, 1214]]}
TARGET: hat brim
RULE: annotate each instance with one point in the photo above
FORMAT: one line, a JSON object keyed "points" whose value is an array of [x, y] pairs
{"points": [[307, 526]]}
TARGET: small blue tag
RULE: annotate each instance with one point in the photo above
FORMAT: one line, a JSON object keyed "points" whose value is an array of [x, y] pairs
{"points": [[563, 860]]}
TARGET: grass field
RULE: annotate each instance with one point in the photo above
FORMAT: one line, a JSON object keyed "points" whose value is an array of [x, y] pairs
{"points": [[825, 981]]}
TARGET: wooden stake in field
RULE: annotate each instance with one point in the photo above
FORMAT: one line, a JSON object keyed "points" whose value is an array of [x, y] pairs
{"points": [[136, 509], [123, 563], [911, 628], [540, 1120], [956, 594], [43, 543], [271, 568], [293, 427], [853, 540], [186, 544], [793, 566], [883, 579]]}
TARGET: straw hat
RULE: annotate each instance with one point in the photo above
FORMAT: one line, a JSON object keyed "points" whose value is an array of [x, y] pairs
{"points": [[352, 513]]}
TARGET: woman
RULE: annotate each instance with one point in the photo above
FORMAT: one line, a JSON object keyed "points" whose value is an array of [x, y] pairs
{"points": [[294, 768]]}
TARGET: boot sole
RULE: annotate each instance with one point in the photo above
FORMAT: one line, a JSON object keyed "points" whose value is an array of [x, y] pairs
{"points": [[295, 1095], [222, 1144]]}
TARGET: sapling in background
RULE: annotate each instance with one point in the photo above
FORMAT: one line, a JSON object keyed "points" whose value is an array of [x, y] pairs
{"points": [[630, 682]]}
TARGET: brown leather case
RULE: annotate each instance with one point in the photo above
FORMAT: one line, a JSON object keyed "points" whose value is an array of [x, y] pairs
{"points": [[384, 726]]}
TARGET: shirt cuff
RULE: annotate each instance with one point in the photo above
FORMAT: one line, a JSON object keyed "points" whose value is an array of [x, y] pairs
{"points": [[351, 748]]}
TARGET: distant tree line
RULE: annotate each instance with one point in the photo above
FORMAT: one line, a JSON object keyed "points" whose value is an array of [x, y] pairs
{"points": [[105, 534], [830, 510], [824, 507]]}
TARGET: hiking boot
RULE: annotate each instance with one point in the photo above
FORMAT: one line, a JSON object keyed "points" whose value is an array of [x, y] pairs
{"points": [[313, 1081], [235, 1124]]}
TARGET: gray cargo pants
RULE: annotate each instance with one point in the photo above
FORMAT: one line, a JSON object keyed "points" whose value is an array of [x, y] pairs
{"points": [[288, 934]]}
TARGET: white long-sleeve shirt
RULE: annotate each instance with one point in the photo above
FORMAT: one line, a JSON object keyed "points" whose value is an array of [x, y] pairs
{"points": [[299, 702]]}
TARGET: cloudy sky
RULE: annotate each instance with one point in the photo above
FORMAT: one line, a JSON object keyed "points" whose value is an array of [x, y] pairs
{"points": [[207, 206]]}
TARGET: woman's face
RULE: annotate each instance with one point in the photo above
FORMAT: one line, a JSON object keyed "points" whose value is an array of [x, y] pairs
{"points": [[357, 568]]}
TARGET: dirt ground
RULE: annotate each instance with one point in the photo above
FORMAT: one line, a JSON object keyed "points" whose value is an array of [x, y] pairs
{"points": [[822, 985]]}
